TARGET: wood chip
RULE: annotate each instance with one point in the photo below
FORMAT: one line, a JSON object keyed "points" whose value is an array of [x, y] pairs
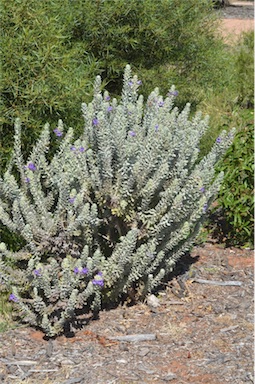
{"points": [[49, 349], [169, 377], [74, 380]]}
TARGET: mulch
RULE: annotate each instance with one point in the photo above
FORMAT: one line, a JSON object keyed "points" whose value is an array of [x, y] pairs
{"points": [[198, 329], [238, 11]]}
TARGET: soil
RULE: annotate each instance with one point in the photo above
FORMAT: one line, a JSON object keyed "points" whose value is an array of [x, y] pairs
{"points": [[198, 329]]}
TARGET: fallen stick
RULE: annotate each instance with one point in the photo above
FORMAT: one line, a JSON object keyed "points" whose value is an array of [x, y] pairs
{"points": [[43, 370], [130, 338], [213, 282], [229, 328], [19, 362]]}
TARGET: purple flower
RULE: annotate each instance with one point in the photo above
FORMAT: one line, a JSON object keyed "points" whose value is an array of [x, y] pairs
{"points": [[107, 98], [139, 82], [161, 103], [82, 149], [14, 298], [95, 121], [132, 133], [130, 83], [71, 200], [32, 167], [57, 132], [98, 279], [218, 140], [202, 189], [27, 180], [109, 109], [37, 272], [205, 207], [73, 148], [156, 127], [82, 271], [173, 93]]}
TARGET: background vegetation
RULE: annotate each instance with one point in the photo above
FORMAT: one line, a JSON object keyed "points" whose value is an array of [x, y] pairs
{"points": [[52, 50]]}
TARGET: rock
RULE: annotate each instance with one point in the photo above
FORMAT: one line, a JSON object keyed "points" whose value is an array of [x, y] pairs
{"points": [[123, 347], [153, 301]]}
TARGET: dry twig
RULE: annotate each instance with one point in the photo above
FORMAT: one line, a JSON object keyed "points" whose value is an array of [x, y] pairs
{"points": [[214, 282], [139, 337]]}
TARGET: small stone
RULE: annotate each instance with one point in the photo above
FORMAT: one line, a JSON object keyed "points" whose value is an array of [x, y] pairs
{"points": [[153, 301], [123, 347]]}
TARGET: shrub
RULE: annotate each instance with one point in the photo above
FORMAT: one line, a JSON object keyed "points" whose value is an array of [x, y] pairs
{"points": [[244, 64], [232, 221], [171, 39], [52, 49], [43, 75], [111, 212], [235, 202]]}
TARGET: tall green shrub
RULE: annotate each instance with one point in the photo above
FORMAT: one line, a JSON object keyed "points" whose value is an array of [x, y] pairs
{"points": [[51, 49], [43, 75], [236, 197], [172, 37], [244, 64], [111, 212]]}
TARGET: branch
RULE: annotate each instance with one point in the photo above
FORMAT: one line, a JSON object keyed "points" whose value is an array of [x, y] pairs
{"points": [[213, 282], [131, 338]]}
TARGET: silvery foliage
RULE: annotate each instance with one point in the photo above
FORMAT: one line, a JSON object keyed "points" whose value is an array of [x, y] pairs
{"points": [[110, 212]]}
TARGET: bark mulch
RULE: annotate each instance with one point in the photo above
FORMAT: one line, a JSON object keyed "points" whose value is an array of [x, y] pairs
{"points": [[238, 10], [198, 329]]}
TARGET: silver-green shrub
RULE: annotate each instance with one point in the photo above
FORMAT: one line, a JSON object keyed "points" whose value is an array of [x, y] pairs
{"points": [[108, 213]]}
